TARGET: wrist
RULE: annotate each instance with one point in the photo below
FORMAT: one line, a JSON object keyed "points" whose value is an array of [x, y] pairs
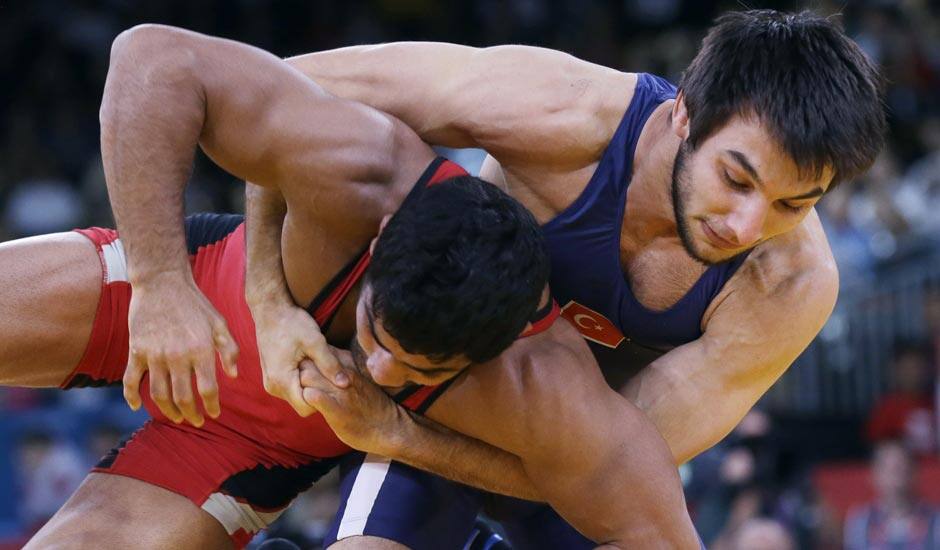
{"points": [[394, 439], [267, 297], [173, 277]]}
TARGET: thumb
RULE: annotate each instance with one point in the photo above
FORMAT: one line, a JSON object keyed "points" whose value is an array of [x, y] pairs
{"points": [[295, 396], [327, 364]]}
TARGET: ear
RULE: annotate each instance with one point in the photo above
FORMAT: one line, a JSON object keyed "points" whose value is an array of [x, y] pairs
{"points": [[381, 228], [680, 117]]}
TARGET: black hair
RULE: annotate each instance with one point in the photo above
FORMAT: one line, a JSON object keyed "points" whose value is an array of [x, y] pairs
{"points": [[801, 76], [459, 269]]}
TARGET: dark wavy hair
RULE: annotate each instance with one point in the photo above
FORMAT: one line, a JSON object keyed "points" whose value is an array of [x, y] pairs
{"points": [[810, 84], [459, 269]]}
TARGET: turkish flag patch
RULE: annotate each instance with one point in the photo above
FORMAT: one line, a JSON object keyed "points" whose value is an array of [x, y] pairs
{"points": [[592, 325]]}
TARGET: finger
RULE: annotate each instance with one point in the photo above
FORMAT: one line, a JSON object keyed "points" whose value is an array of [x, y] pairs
{"points": [[181, 382], [295, 396], [318, 399], [208, 389], [132, 377], [311, 377], [161, 394], [327, 364], [227, 348]]}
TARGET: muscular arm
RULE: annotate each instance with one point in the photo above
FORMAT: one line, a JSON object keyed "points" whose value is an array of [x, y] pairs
{"points": [[526, 106], [775, 308], [590, 453], [429, 446], [167, 91]]}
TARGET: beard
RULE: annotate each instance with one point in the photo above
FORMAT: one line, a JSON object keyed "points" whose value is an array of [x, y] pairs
{"points": [[680, 190], [359, 358]]}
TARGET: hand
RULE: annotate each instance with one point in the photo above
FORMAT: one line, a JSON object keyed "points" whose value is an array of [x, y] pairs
{"points": [[174, 333], [288, 335], [362, 415]]}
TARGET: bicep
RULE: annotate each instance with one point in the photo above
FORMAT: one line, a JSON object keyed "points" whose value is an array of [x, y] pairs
{"points": [[517, 102], [750, 340], [266, 123], [608, 472]]}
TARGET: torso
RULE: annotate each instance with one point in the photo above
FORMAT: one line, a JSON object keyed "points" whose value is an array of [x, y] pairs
{"points": [[632, 296]]}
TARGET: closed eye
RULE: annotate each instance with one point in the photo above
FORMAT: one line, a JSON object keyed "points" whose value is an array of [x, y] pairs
{"points": [[735, 184], [795, 208]]}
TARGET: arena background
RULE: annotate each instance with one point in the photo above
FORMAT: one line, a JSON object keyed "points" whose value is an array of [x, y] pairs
{"points": [[801, 458]]}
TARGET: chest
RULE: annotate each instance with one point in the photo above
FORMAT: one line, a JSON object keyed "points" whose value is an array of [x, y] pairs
{"points": [[660, 274]]}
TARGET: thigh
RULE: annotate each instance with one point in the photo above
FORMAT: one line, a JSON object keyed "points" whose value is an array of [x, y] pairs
{"points": [[111, 511], [49, 290], [402, 506]]}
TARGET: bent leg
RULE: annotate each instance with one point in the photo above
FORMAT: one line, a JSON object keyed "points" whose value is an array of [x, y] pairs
{"points": [[111, 511], [49, 291]]}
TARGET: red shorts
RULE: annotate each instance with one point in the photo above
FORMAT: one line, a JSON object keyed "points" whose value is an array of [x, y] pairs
{"points": [[241, 467]]}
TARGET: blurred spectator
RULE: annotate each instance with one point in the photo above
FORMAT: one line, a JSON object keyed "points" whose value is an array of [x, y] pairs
{"points": [[763, 534], [734, 481], [49, 472], [897, 519], [906, 413]]}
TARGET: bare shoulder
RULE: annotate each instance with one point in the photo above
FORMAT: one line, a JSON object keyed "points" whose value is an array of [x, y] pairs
{"points": [[506, 401]]}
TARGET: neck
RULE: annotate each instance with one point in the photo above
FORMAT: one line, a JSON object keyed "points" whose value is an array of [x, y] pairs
{"points": [[649, 215]]}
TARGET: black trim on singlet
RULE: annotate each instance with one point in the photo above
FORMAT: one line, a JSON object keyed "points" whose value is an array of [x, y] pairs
{"points": [[108, 460], [86, 381], [340, 277], [327, 291], [274, 488], [438, 391], [205, 229]]}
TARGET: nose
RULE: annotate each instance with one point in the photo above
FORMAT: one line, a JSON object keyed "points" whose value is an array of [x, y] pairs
{"points": [[384, 369], [746, 223]]}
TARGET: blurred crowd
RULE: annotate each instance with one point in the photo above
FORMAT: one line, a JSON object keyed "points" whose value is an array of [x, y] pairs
{"points": [[760, 488]]}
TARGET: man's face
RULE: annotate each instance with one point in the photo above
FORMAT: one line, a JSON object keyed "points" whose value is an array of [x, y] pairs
{"points": [[893, 471], [381, 358], [738, 189]]}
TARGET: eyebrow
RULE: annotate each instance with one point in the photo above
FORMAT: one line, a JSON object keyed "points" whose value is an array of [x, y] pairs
{"points": [[749, 168], [746, 164], [375, 337]]}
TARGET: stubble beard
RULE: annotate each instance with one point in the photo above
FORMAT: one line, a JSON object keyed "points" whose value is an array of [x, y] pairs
{"points": [[679, 190]]}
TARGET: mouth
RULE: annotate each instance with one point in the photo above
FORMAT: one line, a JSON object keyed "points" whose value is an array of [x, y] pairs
{"points": [[717, 240]]}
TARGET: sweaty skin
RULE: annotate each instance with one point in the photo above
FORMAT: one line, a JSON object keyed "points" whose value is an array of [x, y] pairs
{"points": [[545, 118], [537, 425]]}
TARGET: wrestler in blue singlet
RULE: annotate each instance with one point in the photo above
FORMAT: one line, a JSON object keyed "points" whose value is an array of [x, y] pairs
{"points": [[426, 512]]}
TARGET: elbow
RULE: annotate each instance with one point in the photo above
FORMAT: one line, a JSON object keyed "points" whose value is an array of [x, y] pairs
{"points": [[144, 59], [144, 43]]}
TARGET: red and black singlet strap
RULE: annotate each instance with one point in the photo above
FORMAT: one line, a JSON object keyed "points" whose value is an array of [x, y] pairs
{"points": [[542, 319], [328, 301]]}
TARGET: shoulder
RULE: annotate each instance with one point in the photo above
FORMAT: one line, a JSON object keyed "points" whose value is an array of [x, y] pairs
{"points": [[508, 401]]}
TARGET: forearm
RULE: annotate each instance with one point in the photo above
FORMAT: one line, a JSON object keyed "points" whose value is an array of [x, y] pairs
{"points": [[670, 401], [265, 283], [152, 113], [429, 446]]}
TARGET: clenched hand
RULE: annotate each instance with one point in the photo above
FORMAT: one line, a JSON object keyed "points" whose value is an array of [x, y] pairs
{"points": [[286, 336]]}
